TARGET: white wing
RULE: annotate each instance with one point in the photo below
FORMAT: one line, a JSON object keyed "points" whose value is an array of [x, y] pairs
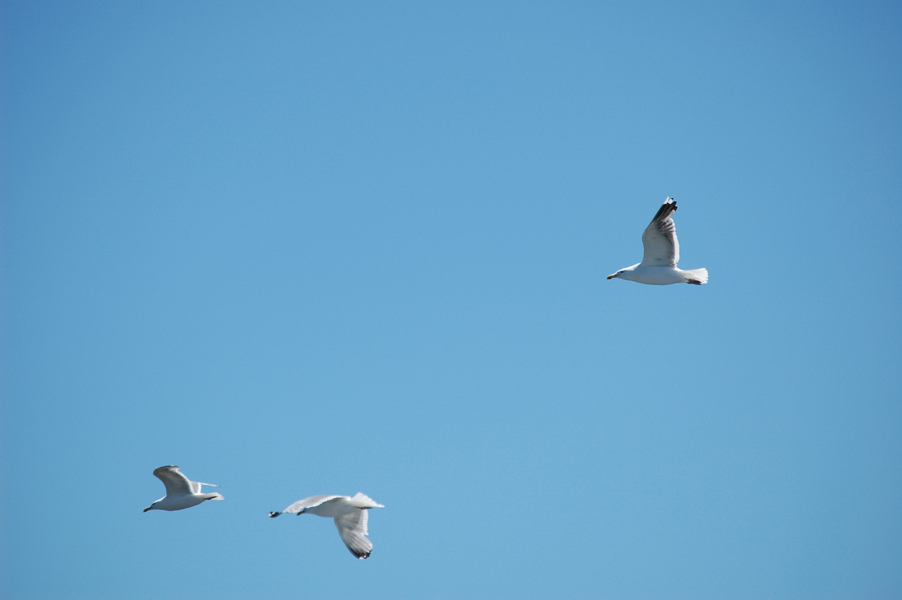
{"points": [[196, 486], [352, 529], [660, 240], [176, 483], [311, 502]]}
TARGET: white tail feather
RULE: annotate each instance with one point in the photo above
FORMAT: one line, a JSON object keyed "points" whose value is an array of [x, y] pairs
{"points": [[700, 275], [361, 500]]}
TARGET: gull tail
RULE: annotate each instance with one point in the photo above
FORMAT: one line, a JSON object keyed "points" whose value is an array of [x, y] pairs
{"points": [[696, 276], [361, 500]]}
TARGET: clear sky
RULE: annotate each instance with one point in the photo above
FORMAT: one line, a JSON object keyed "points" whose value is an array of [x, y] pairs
{"points": [[307, 248]]}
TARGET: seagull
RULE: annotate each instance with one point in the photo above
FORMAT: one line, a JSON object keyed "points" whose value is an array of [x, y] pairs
{"points": [[350, 517], [181, 492], [662, 253]]}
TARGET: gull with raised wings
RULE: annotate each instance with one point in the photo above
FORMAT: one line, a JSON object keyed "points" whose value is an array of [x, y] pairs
{"points": [[181, 492], [662, 253]]}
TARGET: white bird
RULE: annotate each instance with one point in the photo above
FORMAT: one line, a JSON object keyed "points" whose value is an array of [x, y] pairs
{"points": [[181, 492], [662, 253], [350, 516]]}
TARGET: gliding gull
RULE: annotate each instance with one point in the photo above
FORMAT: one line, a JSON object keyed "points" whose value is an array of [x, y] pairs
{"points": [[350, 516], [181, 492]]}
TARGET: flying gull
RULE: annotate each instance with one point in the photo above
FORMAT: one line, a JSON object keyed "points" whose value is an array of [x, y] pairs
{"points": [[350, 516], [181, 492], [662, 253]]}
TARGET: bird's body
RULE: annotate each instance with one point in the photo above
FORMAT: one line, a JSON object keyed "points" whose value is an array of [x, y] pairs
{"points": [[181, 492], [350, 515], [662, 253]]}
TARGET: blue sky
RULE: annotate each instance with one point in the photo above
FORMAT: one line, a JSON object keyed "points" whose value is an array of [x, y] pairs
{"points": [[322, 248]]}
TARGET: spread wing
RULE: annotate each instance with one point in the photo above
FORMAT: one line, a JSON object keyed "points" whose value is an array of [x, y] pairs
{"points": [[196, 486], [176, 483], [352, 529], [660, 240]]}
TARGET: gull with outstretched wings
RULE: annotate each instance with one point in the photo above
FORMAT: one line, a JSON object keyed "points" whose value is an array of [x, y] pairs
{"points": [[662, 253], [350, 516], [181, 492]]}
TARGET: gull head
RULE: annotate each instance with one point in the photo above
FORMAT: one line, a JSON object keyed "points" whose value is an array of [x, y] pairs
{"points": [[624, 273]]}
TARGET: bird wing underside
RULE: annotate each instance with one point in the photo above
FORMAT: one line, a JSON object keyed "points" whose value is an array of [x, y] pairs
{"points": [[352, 529], [175, 481], [660, 240]]}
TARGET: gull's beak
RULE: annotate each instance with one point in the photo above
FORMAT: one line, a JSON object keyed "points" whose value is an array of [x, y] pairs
{"points": [[612, 276]]}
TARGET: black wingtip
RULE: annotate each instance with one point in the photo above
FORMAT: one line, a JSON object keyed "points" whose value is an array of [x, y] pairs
{"points": [[667, 209], [272, 515]]}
